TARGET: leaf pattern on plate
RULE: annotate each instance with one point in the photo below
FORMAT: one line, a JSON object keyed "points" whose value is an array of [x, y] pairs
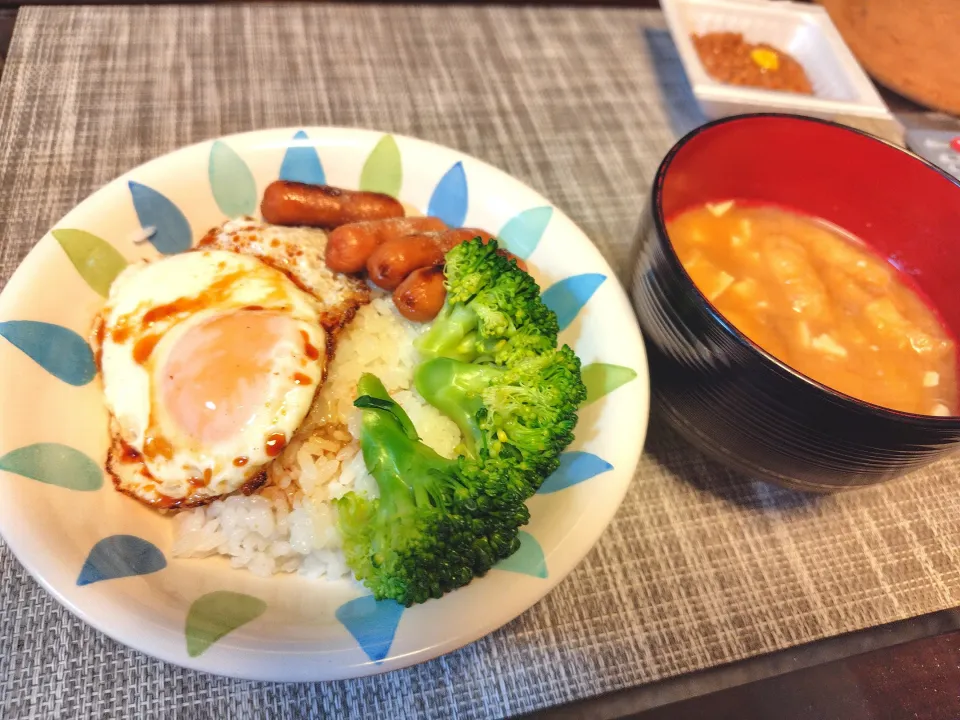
{"points": [[216, 614], [54, 464], [575, 467], [567, 297], [301, 162], [528, 560], [58, 350], [169, 231], [522, 233], [373, 624], [603, 378], [383, 170], [450, 198], [231, 181], [97, 261], [120, 556]]}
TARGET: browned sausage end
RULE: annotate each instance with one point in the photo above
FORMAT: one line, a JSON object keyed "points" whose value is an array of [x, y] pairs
{"points": [[421, 295]]}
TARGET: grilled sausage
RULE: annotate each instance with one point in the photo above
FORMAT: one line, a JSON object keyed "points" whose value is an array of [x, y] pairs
{"points": [[293, 203], [421, 295], [395, 259], [449, 239], [350, 246]]}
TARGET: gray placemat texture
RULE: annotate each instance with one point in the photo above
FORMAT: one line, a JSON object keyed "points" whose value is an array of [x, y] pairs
{"points": [[700, 567]]}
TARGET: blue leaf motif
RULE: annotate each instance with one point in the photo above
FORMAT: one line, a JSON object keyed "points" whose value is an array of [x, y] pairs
{"points": [[231, 181], [567, 297], [575, 467], [54, 464], [301, 162], [450, 198], [170, 231], [528, 560], [522, 233], [121, 556], [372, 623], [59, 351]]}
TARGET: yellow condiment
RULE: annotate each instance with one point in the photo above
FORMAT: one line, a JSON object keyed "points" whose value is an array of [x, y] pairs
{"points": [[766, 59]]}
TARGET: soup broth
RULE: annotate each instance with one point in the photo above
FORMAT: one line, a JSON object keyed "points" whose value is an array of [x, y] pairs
{"points": [[822, 302]]}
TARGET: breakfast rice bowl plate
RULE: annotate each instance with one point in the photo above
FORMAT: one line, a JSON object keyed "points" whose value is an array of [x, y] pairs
{"points": [[285, 429]]}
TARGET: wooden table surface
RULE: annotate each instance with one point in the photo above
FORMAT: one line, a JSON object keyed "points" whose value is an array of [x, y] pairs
{"points": [[909, 669]]}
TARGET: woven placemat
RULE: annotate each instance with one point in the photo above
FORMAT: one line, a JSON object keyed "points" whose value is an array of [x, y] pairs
{"points": [[700, 567]]}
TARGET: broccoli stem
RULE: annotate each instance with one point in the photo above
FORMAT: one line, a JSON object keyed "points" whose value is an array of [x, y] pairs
{"points": [[388, 441], [454, 387], [452, 334]]}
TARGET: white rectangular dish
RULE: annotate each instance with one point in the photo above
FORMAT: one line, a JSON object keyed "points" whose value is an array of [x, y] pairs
{"points": [[841, 89]]}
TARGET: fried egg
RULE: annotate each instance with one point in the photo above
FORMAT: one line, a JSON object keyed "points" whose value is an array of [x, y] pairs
{"points": [[300, 253], [210, 361]]}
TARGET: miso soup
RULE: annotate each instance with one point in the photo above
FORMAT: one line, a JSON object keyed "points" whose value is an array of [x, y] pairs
{"points": [[822, 302]]}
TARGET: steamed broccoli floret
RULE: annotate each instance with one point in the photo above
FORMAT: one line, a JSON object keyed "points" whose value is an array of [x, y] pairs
{"points": [[492, 365], [438, 523], [525, 411], [493, 311]]}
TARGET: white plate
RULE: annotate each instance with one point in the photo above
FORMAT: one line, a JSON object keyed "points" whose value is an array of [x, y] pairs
{"points": [[107, 558]]}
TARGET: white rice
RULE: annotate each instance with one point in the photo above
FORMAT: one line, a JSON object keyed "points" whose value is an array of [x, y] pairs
{"points": [[289, 526]]}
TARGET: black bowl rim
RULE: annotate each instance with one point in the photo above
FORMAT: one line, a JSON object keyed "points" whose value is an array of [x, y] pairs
{"points": [[656, 194]]}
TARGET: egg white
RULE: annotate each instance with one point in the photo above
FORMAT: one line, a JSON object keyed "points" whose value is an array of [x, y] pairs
{"points": [[298, 251]]}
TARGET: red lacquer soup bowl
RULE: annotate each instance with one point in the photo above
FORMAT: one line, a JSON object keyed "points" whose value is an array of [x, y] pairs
{"points": [[722, 392]]}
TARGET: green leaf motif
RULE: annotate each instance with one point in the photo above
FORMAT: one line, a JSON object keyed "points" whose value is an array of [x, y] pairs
{"points": [[527, 560], [216, 614], [383, 170], [97, 261], [602, 379], [231, 181], [54, 464]]}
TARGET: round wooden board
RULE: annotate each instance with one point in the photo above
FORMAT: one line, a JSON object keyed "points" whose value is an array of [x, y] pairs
{"points": [[911, 47]]}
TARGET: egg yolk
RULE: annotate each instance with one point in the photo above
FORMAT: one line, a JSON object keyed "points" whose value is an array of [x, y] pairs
{"points": [[217, 376]]}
